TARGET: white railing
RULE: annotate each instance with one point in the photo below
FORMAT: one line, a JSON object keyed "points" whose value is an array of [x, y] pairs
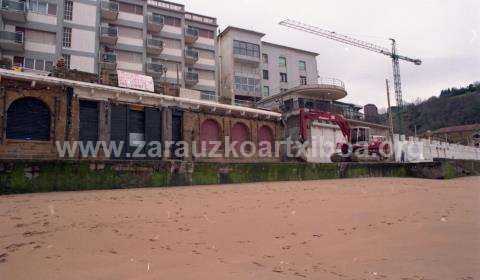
{"points": [[331, 82], [425, 150]]}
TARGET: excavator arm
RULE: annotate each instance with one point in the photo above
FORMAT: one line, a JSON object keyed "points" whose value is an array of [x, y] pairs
{"points": [[326, 116]]}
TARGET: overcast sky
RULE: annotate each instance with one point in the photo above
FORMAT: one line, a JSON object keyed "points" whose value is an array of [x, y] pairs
{"points": [[445, 34]]}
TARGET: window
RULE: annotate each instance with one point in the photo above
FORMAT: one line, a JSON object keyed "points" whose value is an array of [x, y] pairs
{"points": [[66, 58], [247, 49], [173, 21], [282, 61], [67, 37], [283, 78], [266, 91], [18, 61], [35, 64], [28, 119], [265, 74], [248, 85], [283, 89], [302, 65], [205, 33], [265, 58], [42, 7], [68, 10], [303, 80], [130, 8]]}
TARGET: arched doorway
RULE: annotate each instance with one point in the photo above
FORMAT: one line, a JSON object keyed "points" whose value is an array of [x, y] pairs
{"points": [[209, 134], [28, 119]]}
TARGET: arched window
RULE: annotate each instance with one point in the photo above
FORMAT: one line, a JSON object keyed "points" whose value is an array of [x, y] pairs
{"points": [[209, 132], [240, 134], [28, 119], [265, 134]]}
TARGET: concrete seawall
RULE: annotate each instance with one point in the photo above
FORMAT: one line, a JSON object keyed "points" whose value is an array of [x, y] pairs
{"points": [[44, 176]]}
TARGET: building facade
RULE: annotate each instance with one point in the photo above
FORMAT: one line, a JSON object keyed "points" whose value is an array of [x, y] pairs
{"points": [[251, 69], [156, 38]]}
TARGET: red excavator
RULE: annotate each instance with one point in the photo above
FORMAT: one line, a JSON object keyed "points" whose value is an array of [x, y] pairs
{"points": [[359, 146]]}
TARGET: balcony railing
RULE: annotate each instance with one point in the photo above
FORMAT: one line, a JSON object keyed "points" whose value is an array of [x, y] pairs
{"points": [[331, 82], [15, 6], [209, 96], [156, 68], [110, 6], [157, 19], [200, 18], [14, 37], [191, 77], [153, 42], [244, 103], [109, 57], [193, 32], [109, 31], [192, 54]]}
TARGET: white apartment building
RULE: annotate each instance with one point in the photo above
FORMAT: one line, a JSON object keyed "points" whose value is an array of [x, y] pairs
{"points": [[152, 37], [251, 69]]}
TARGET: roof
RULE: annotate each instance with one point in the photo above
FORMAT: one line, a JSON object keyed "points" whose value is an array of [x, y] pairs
{"points": [[290, 48], [459, 128], [240, 29], [140, 94]]}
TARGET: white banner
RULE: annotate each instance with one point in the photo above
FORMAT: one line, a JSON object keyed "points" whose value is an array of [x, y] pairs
{"points": [[135, 81]]}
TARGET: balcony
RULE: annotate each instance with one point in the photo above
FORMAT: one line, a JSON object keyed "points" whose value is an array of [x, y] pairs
{"points": [[156, 69], [242, 57], [109, 10], [191, 35], [154, 46], [108, 35], [108, 61], [191, 56], [207, 96], [191, 78], [12, 41], [155, 23], [244, 103], [14, 10]]}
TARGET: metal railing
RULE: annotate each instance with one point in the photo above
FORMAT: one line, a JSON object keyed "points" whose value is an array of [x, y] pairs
{"points": [[154, 18], [209, 96], [330, 82], [111, 6], [191, 76], [244, 103], [191, 32], [155, 67], [109, 31], [109, 57], [191, 54], [16, 37], [155, 42], [200, 18], [12, 5]]}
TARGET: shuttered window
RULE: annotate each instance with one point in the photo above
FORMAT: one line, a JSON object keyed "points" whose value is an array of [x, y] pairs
{"points": [[28, 119]]}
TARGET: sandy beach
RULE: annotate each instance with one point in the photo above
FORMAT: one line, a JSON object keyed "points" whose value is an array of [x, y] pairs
{"points": [[383, 228]]}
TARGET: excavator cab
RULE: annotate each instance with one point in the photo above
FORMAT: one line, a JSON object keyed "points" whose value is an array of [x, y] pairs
{"points": [[359, 135]]}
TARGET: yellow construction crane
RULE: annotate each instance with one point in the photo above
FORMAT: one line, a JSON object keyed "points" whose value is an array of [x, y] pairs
{"points": [[361, 44]]}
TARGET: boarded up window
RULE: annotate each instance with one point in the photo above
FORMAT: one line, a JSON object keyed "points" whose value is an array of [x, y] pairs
{"points": [[118, 126], [40, 37], [206, 75], [239, 134], [88, 120], [265, 138], [206, 54], [209, 134], [28, 119], [177, 130], [173, 21], [205, 33]]}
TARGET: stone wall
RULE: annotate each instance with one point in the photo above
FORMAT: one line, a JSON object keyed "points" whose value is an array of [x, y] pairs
{"points": [[45, 176]]}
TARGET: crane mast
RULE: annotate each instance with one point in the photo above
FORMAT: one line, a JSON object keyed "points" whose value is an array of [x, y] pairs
{"points": [[360, 44]]}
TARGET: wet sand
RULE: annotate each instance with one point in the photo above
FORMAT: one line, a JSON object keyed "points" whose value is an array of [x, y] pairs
{"points": [[332, 229]]}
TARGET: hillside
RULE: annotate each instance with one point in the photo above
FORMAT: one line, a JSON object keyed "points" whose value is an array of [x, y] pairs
{"points": [[453, 107]]}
